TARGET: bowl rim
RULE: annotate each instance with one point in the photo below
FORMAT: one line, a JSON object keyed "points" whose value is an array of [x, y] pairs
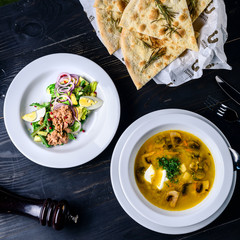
{"points": [[134, 214], [38, 74], [149, 125]]}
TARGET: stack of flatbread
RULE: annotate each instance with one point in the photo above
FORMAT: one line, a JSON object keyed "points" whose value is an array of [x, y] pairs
{"points": [[151, 33]]}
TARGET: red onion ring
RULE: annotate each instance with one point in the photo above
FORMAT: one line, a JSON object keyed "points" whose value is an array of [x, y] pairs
{"points": [[58, 105], [60, 79], [70, 101], [76, 78], [75, 112], [57, 99], [65, 91]]}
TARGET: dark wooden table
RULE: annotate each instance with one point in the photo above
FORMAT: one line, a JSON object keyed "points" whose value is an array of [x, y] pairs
{"points": [[30, 29]]}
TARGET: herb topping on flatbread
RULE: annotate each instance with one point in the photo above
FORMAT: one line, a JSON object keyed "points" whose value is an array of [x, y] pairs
{"points": [[162, 19]]}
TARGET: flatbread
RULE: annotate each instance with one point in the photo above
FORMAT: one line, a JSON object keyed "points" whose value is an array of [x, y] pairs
{"points": [[196, 7], [138, 49], [144, 16], [108, 23], [111, 5]]}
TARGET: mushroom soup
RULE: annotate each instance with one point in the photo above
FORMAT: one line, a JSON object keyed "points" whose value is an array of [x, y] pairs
{"points": [[174, 170]]}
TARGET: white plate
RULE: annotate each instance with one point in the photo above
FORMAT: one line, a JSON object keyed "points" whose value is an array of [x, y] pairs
{"points": [[151, 124], [132, 211], [30, 86]]}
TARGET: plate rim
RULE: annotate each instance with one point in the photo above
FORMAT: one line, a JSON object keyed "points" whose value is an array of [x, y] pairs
{"points": [[186, 217], [61, 57]]}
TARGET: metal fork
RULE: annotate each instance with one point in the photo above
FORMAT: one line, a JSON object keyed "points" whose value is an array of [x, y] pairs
{"points": [[222, 110], [211, 103], [227, 113]]}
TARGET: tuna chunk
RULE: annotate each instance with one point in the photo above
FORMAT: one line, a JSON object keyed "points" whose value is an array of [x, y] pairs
{"points": [[62, 118], [55, 138]]}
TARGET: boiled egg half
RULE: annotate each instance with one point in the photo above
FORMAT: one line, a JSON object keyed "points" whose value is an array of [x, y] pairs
{"points": [[34, 116], [91, 103], [156, 177]]}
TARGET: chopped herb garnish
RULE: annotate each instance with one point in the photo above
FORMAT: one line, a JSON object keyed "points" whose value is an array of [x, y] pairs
{"points": [[192, 6], [168, 15], [146, 44], [170, 29], [166, 184], [38, 105], [154, 57], [116, 23], [151, 45], [166, 12], [172, 167]]}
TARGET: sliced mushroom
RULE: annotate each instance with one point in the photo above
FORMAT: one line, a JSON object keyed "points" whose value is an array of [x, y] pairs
{"points": [[148, 160], [193, 166], [139, 173], [195, 156], [169, 146], [147, 156], [202, 186], [204, 165], [172, 198], [199, 187], [176, 138], [160, 141], [194, 145], [184, 188], [199, 174]]}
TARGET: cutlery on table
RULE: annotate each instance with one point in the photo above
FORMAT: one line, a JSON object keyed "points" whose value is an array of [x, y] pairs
{"points": [[227, 113], [229, 90], [221, 109], [212, 103]]}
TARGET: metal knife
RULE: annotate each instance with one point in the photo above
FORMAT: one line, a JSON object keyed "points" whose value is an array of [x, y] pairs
{"points": [[229, 90]]}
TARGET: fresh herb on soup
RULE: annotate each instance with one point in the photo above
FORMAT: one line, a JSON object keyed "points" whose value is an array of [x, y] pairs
{"points": [[172, 167], [174, 170]]}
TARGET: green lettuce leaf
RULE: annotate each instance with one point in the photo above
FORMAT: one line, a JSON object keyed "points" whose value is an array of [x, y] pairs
{"points": [[93, 86], [38, 105]]}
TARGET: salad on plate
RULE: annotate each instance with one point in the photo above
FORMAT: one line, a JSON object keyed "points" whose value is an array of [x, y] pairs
{"points": [[61, 119]]}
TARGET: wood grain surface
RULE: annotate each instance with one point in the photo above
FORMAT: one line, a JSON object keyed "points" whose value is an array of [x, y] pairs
{"points": [[30, 29]]}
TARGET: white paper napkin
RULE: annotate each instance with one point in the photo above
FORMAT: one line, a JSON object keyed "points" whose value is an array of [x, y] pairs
{"points": [[211, 25]]}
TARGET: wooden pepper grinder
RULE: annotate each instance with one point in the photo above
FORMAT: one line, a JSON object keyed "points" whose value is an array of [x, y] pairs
{"points": [[49, 212]]}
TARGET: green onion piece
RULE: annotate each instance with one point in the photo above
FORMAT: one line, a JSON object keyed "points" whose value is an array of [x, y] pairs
{"points": [[93, 86], [82, 83], [44, 141], [38, 129], [71, 136]]}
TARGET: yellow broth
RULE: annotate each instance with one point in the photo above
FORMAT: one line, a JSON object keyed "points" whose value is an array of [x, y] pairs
{"points": [[181, 153]]}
